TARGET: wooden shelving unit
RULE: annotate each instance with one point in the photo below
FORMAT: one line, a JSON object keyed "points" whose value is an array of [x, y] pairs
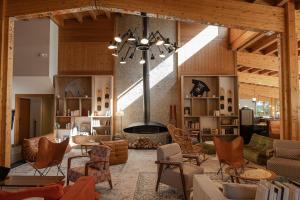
{"points": [[77, 104], [216, 112]]}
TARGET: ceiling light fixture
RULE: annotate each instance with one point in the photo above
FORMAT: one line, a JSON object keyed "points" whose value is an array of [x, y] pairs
{"points": [[142, 61], [128, 42], [162, 55], [112, 45], [118, 38], [122, 61]]}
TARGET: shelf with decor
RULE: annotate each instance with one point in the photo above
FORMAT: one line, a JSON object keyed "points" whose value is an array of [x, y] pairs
{"points": [[77, 102], [210, 104]]}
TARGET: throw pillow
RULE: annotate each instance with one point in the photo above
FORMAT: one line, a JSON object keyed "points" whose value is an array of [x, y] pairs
{"points": [[239, 191], [293, 154], [51, 192]]}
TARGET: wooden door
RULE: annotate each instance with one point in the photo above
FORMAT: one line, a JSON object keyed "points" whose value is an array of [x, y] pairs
{"points": [[24, 119]]}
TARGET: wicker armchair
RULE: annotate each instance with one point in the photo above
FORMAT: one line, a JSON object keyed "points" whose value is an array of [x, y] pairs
{"points": [[182, 137], [97, 166]]}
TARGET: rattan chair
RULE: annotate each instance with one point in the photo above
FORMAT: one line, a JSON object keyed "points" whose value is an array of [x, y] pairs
{"points": [[182, 137]]}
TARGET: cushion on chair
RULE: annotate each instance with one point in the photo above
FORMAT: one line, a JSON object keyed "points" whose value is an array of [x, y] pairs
{"points": [[239, 191], [288, 153], [171, 176], [165, 151], [100, 154], [176, 157], [77, 172], [285, 167], [51, 192]]}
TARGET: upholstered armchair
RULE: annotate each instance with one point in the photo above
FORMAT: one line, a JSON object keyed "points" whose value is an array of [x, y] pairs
{"points": [[49, 154], [97, 166], [173, 171], [182, 137], [286, 159], [229, 152]]}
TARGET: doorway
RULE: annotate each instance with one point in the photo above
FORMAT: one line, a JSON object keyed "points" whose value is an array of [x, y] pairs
{"points": [[24, 119]]}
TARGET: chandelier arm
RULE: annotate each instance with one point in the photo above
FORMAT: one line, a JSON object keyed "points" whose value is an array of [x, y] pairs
{"points": [[151, 36], [127, 53], [162, 37], [122, 46]]}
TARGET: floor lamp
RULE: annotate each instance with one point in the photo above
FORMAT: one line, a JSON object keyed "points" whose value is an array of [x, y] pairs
{"points": [[120, 114]]}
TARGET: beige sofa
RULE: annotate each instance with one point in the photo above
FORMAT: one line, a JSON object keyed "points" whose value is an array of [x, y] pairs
{"points": [[205, 189], [286, 159]]}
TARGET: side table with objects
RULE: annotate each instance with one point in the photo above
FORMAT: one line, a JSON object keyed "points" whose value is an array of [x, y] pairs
{"points": [[249, 174]]}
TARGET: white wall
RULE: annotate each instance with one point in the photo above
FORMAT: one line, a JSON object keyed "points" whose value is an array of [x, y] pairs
{"points": [[33, 73], [53, 49]]}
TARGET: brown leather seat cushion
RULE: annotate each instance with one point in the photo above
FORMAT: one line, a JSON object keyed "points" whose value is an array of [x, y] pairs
{"points": [[119, 151]]}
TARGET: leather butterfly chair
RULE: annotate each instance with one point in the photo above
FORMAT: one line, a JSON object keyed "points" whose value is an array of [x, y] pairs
{"points": [[97, 166], [49, 154], [229, 152], [183, 138]]}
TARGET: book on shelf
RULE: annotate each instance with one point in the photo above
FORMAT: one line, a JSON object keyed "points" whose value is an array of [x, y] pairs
{"points": [[278, 190]]}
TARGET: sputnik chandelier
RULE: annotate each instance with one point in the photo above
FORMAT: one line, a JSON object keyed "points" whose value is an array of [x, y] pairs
{"points": [[126, 45]]}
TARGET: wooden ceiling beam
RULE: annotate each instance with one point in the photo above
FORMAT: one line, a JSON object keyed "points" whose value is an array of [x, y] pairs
{"points": [[93, 14], [270, 49], [79, 17], [272, 73], [242, 68], [252, 41], [58, 20], [281, 2], [258, 79], [253, 60], [229, 13], [243, 39], [107, 14], [259, 45], [253, 70]]}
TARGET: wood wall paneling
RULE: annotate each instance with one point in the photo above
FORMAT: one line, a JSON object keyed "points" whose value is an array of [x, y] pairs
{"points": [[213, 59], [83, 47]]}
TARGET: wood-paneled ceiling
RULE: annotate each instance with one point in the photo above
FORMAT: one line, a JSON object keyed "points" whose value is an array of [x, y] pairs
{"points": [[80, 17]]}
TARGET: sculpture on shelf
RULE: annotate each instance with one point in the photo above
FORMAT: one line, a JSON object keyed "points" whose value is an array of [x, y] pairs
{"points": [[199, 88]]}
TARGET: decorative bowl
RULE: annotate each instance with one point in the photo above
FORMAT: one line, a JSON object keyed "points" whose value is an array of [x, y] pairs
{"points": [[3, 172]]}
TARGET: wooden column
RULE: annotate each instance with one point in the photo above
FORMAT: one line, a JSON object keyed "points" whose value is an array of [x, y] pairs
{"points": [[289, 81], [6, 66]]}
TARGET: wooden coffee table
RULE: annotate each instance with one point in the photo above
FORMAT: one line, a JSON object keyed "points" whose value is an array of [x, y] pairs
{"points": [[249, 174], [87, 145], [30, 181]]}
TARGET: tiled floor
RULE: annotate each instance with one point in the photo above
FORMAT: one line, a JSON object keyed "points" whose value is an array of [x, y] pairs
{"points": [[124, 176]]}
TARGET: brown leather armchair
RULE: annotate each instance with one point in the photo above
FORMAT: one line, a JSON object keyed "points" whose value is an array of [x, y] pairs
{"points": [[229, 152], [49, 154]]}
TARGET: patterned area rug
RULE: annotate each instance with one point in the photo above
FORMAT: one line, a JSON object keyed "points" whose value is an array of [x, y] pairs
{"points": [[145, 187]]}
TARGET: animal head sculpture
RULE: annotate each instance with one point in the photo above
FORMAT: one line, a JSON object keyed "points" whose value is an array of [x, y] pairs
{"points": [[199, 88]]}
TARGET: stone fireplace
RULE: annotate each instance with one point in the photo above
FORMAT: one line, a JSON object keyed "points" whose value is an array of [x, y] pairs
{"points": [[129, 79]]}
